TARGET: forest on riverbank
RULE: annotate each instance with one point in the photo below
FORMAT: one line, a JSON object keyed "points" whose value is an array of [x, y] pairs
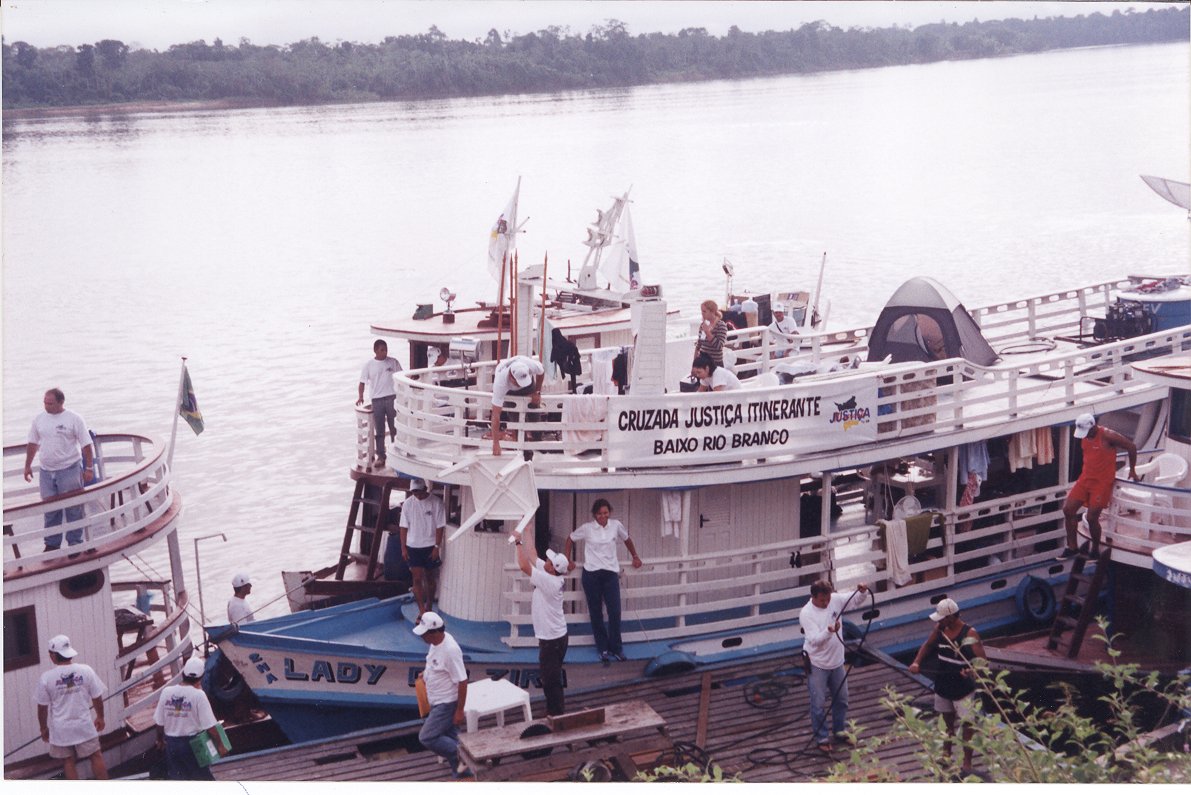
{"points": [[430, 65]]}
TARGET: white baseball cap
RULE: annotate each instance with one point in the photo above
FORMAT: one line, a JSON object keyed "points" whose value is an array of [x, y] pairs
{"points": [[945, 607], [417, 484], [429, 621], [521, 374], [1083, 424], [194, 668], [779, 308], [557, 560], [60, 645], [241, 579]]}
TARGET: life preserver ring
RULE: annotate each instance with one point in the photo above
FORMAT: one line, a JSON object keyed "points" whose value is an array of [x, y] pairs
{"points": [[1036, 600]]}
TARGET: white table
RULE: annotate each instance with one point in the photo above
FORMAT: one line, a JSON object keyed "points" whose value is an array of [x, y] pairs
{"points": [[493, 697]]}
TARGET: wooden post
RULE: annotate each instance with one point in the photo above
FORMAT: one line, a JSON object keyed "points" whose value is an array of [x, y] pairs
{"points": [[542, 325], [500, 306]]}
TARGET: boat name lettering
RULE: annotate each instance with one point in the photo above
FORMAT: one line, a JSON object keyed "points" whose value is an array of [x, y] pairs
{"points": [[263, 667], [647, 419], [344, 672], [783, 409]]}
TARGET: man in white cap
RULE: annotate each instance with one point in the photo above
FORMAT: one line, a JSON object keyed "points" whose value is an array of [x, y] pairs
{"points": [[67, 462], [955, 644], [183, 711], [1095, 483], [516, 376], [782, 329], [446, 689], [66, 695], [238, 609], [549, 622], [423, 523]]}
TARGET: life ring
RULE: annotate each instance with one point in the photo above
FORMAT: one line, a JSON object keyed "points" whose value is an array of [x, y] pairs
{"points": [[1036, 600]]}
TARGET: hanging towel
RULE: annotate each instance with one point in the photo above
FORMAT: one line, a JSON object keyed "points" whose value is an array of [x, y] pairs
{"points": [[973, 457], [896, 552], [918, 533], [581, 410], [1044, 446], [671, 513], [1021, 451], [601, 370]]}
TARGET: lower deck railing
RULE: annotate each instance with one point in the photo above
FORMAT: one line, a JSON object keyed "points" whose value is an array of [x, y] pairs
{"points": [[669, 597]]}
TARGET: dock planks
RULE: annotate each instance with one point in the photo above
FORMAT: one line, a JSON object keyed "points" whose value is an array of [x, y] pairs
{"points": [[761, 745]]}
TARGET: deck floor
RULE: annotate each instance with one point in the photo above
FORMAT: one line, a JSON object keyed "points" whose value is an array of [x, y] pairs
{"points": [[761, 745]]}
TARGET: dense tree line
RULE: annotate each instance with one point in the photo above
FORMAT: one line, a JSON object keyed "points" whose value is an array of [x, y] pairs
{"points": [[431, 65]]}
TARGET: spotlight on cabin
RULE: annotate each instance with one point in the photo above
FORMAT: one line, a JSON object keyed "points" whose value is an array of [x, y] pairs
{"points": [[446, 296]]}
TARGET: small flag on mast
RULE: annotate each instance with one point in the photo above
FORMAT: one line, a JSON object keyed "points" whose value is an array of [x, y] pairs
{"points": [[188, 404]]}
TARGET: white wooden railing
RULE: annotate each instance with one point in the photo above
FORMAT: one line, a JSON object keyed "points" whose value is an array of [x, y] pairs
{"points": [[744, 588], [439, 426], [133, 495]]}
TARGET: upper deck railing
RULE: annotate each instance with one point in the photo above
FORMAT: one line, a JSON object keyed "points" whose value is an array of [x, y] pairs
{"points": [[437, 426], [132, 494]]}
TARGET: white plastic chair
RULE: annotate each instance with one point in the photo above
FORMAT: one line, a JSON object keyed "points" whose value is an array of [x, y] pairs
{"points": [[1166, 469]]}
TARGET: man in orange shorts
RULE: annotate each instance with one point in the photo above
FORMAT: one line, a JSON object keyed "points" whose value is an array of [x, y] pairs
{"points": [[1094, 486]]}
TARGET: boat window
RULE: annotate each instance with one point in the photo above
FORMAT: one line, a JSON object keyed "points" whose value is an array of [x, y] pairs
{"points": [[20, 638], [1180, 415], [81, 585]]}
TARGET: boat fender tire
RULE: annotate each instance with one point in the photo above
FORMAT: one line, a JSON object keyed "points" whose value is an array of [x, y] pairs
{"points": [[222, 682], [669, 663], [1036, 600]]}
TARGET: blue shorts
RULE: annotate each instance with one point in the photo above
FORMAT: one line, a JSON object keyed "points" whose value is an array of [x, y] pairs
{"points": [[419, 558]]}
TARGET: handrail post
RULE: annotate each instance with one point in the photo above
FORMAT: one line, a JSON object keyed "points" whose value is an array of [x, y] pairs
{"points": [[198, 574]]}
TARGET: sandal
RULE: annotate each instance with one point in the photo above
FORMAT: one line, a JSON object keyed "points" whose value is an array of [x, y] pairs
{"points": [[826, 748]]}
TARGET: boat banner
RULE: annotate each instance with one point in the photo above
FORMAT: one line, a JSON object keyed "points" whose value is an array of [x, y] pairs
{"points": [[750, 423]]}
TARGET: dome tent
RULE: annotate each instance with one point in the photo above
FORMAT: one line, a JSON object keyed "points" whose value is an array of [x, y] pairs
{"points": [[922, 322]]}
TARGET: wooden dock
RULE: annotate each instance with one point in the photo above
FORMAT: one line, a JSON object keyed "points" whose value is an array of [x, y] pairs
{"points": [[768, 740]]}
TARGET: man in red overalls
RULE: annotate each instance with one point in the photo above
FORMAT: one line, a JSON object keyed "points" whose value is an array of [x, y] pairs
{"points": [[1094, 486]]}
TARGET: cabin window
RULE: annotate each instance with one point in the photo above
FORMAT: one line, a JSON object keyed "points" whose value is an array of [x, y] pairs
{"points": [[1180, 415], [81, 585], [20, 638]]}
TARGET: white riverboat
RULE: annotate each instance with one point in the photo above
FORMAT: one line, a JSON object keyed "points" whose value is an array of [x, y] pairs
{"points": [[134, 631], [736, 501]]}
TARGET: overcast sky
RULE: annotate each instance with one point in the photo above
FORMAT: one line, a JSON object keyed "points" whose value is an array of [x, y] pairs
{"points": [[156, 24]]}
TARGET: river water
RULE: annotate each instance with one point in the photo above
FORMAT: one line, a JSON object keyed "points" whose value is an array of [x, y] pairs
{"points": [[262, 243]]}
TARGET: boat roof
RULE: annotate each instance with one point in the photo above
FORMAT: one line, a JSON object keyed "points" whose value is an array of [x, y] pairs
{"points": [[1173, 370]]}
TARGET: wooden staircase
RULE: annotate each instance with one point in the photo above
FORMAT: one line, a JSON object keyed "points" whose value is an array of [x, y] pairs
{"points": [[371, 524], [1077, 607]]}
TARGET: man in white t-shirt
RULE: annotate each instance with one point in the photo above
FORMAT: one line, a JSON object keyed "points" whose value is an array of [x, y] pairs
{"points": [[440, 357], [423, 523], [377, 375], [821, 624], [445, 677], [66, 695], [712, 377], [66, 461], [783, 330], [549, 622], [238, 609], [182, 712], [518, 376]]}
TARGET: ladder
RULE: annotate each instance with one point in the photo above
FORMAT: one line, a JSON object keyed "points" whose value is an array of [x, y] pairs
{"points": [[1077, 607], [357, 521]]}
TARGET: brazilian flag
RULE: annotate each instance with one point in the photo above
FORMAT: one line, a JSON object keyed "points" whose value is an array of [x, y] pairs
{"points": [[188, 407]]}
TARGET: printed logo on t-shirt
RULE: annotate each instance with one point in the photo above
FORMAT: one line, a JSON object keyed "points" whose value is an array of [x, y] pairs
{"points": [[178, 707], [70, 681]]}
